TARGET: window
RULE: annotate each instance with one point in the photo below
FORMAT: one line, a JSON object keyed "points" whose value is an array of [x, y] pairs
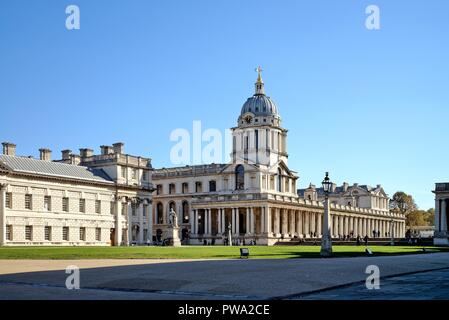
{"points": [[185, 212], [159, 189], [97, 206], [171, 188], [98, 234], [28, 233], [47, 233], [65, 204], [145, 176], [82, 205], [47, 203], [145, 209], [133, 209], [83, 234], [185, 187], [212, 186], [159, 213], [65, 233], [111, 208], [279, 180], [239, 177], [134, 174], [28, 201], [8, 200], [9, 232], [198, 186], [123, 172]]}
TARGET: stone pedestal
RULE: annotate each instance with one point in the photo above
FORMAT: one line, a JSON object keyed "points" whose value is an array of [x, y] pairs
{"points": [[173, 237]]}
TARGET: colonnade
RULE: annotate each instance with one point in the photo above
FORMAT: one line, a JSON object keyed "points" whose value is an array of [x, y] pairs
{"points": [[282, 222]]}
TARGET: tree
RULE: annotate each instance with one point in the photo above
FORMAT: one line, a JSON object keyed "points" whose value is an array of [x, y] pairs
{"points": [[405, 204]]}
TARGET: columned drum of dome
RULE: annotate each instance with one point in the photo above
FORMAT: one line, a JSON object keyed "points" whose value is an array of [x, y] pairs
{"points": [[259, 138]]}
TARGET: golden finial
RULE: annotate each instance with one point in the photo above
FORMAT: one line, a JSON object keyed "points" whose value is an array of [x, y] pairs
{"points": [[259, 74]]}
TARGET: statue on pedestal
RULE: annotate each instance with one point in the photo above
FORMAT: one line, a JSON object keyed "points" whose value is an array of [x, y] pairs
{"points": [[173, 218], [173, 229]]}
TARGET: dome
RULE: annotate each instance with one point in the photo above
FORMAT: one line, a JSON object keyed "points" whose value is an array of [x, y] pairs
{"points": [[260, 105]]}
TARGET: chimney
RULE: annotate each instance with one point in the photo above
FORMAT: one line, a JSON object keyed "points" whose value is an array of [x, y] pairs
{"points": [[345, 186], [9, 149], [86, 153], [119, 148], [75, 159], [45, 154], [105, 150], [66, 154]]}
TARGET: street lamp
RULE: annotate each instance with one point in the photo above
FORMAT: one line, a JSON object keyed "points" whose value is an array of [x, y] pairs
{"points": [[326, 240]]}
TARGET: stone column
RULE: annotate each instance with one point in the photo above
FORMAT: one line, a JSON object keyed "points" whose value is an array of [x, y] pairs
{"points": [[284, 222], [364, 227], [252, 222], [437, 215], [223, 220], [197, 225], [277, 230], [233, 221], [444, 215], [248, 221], [341, 224], [306, 224], [150, 220], [3, 214], [312, 222], [267, 219], [237, 221], [209, 221], [355, 225], [262, 219], [192, 221], [292, 214], [334, 229], [140, 213], [218, 221], [318, 222], [118, 221], [130, 224], [297, 223], [346, 231]]}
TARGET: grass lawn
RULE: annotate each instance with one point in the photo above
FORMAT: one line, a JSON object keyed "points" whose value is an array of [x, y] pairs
{"points": [[199, 252]]}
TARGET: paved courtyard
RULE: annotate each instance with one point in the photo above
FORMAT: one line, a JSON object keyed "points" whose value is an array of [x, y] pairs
{"points": [[228, 279]]}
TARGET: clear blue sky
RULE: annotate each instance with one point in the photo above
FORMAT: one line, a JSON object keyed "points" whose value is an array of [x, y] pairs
{"points": [[368, 106]]}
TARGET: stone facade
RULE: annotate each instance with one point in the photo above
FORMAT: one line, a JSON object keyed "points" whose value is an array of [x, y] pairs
{"points": [[256, 196], [79, 200], [441, 235]]}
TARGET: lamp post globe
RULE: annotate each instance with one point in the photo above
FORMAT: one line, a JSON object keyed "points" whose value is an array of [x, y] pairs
{"points": [[326, 239]]}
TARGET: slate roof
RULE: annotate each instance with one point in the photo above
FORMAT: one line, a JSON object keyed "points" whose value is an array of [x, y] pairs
{"points": [[53, 169]]}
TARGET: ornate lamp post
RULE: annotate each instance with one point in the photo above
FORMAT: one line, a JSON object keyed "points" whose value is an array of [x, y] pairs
{"points": [[326, 240]]}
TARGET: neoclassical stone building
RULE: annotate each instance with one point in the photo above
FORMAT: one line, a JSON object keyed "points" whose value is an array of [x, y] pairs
{"points": [[83, 199], [255, 195], [441, 235]]}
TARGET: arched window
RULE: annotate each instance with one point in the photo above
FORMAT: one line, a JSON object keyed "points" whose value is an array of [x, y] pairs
{"points": [[239, 177], [159, 213], [185, 212], [279, 180], [212, 186]]}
